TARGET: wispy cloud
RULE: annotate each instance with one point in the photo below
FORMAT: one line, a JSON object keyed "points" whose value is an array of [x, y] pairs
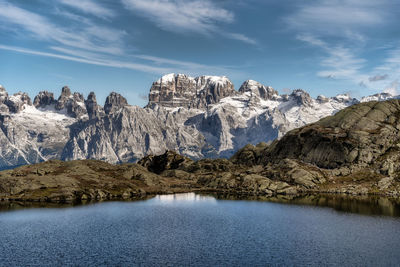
{"points": [[92, 61], [180, 15], [241, 37], [89, 37], [187, 16], [339, 62], [189, 67], [342, 30], [149, 64], [343, 63], [89, 7], [378, 77], [393, 88], [339, 18]]}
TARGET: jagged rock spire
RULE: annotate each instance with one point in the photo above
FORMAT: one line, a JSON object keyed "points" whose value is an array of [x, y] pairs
{"points": [[114, 102], [43, 99]]}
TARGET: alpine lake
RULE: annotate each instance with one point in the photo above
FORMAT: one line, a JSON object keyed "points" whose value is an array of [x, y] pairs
{"points": [[204, 230]]}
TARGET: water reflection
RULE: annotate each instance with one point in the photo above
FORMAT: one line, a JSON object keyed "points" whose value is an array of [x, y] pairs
{"points": [[183, 197], [367, 205]]}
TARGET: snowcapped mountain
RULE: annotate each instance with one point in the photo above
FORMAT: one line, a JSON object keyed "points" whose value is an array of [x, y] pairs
{"points": [[198, 117]]}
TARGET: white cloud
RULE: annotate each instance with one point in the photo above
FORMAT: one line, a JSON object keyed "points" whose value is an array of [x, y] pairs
{"points": [[180, 15], [150, 64], [339, 62], [187, 16], [342, 63], [188, 67], [393, 88], [88, 36], [87, 60], [89, 7], [339, 18], [241, 37], [342, 30]]}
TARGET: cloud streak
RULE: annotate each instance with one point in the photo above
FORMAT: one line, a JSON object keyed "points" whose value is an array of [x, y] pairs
{"points": [[378, 77], [151, 64], [187, 16], [89, 36], [91, 61], [341, 29], [89, 7], [338, 18]]}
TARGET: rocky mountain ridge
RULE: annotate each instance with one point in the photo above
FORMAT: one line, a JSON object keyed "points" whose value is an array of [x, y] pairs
{"points": [[354, 152], [198, 117]]}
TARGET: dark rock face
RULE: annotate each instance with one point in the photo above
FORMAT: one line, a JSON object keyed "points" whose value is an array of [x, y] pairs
{"points": [[114, 102], [184, 91], [43, 99], [64, 98], [256, 88], [4, 108], [3, 94], [16, 102], [173, 91], [73, 103], [301, 96], [168, 161], [213, 89], [93, 109], [76, 106]]}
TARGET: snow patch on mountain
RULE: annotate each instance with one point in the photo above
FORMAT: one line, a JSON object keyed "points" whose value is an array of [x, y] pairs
{"points": [[196, 116]]}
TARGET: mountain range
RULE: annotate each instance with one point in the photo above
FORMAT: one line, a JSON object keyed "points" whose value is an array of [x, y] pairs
{"points": [[202, 117]]}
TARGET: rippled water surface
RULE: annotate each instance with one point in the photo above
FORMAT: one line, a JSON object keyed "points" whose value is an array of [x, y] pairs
{"points": [[189, 229]]}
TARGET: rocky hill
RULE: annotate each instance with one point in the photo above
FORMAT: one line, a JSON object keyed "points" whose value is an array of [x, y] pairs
{"points": [[356, 151], [202, 117]]}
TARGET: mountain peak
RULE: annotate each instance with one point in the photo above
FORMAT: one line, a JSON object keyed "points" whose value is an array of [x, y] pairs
{"points": [[180, 90], [260, 90]]}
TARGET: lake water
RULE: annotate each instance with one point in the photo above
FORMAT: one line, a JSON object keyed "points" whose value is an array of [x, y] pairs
{"points": [[196, 230]]}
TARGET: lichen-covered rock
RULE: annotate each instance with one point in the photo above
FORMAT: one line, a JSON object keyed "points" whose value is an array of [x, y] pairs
{"points": [[357, 135]]}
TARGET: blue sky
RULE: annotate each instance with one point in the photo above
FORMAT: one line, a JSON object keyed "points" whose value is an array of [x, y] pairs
{"points": [[323, 46]]}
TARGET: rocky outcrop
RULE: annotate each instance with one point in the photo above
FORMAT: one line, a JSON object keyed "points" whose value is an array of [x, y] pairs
{"points": [[170, 160], [358, 135], [16, 102], [74, 103], [197, 117], [93, 109], [3, 94], [301, 97], [64, 98], [354, 152], [43, 99], [184, 91], [114, 102], [57, 181], [256, 88]]}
